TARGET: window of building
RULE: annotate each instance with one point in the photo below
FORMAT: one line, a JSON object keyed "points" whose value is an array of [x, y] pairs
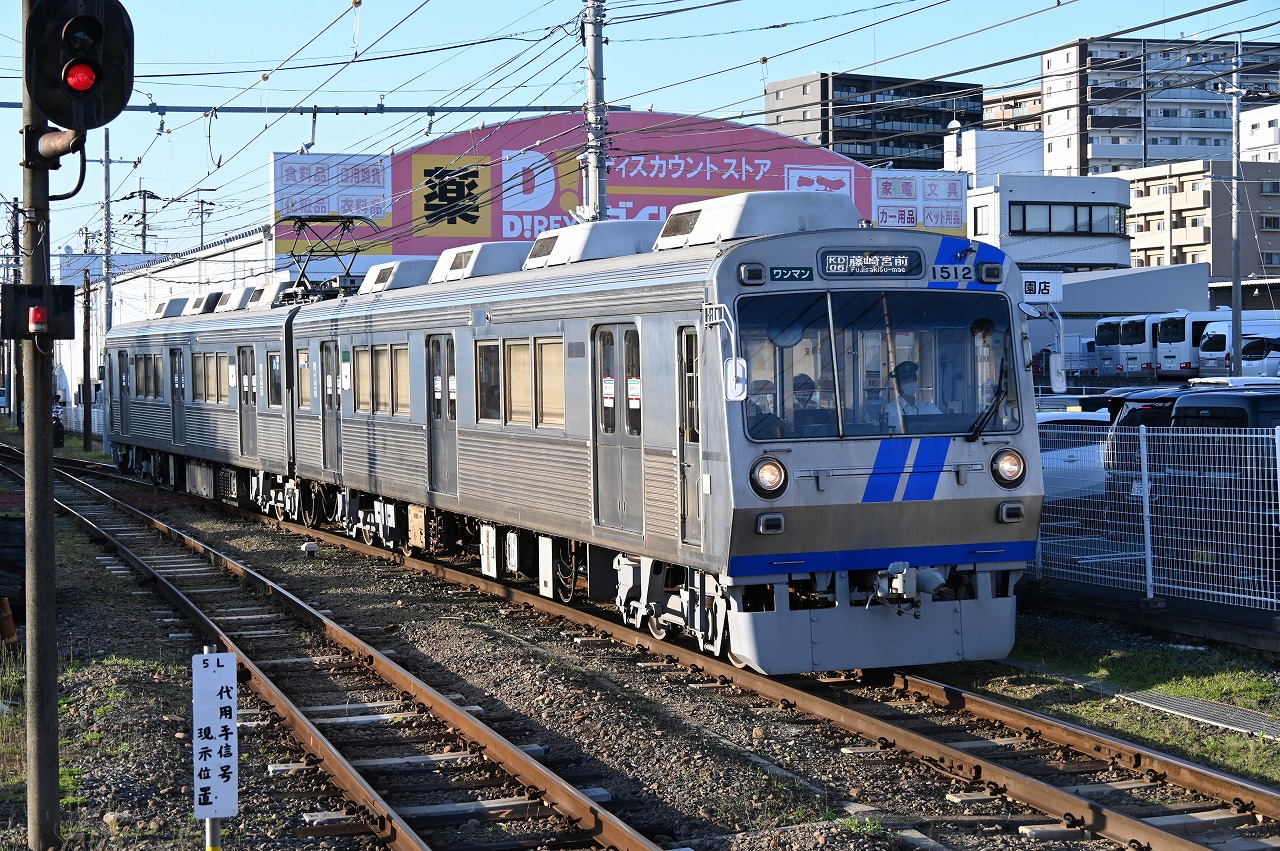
{"points": [[1271, 258], [1195, 222], [1271, 222], [1037, 217], [1049, 148], [777, 95], [275, 380], [981, 221], [488, 381], [549, 384], [804, 89], [304, 379], [777, 120], [806, 115], [1271, 187]]}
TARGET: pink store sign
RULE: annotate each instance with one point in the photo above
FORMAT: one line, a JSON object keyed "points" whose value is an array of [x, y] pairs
{"points": [[514, 180]]}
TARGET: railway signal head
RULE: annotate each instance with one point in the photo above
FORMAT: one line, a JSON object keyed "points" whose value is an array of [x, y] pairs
{"points": [[79, 60]]}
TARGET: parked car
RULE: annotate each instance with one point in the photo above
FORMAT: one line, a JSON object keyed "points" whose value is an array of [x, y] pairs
{"points": [[1218, 489], [1071, 453]]}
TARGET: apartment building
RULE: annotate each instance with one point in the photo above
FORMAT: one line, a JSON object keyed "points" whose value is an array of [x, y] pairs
{"points": [[872, 119], [1114, 104], [1017, 110], [1181, 213]]}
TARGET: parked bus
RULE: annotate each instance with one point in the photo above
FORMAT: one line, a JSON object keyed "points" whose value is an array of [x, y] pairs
{"points": [[1138, 345], [1106, 337], [1178, 341]]}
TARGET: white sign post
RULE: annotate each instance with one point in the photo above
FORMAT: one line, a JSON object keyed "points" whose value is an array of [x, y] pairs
{"points": [[215, 748]]}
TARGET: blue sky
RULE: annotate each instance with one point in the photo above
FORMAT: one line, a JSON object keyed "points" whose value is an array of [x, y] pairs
{"points": [[678, 55]]}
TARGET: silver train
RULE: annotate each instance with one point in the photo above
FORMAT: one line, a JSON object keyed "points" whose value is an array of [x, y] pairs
{"points": [[804, 444]]}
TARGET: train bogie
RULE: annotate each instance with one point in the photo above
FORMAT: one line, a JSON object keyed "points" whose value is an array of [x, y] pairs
{"points": [[801, 443]]}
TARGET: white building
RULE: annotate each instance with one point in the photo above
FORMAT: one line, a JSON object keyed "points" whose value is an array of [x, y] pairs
{"points": [[1260, 134], [1068, 224], [1111, 104]]}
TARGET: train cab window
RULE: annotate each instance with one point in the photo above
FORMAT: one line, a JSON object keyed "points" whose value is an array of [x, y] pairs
{"points": [[275, 380], [488, 381], [400, 381], [854, 364], [549, 384], [303, 383], [381, 380], [362, 379], [519, 378]]}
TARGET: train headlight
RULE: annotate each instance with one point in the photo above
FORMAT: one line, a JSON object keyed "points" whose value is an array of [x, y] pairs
{"points": [[768, 477], [1008, 468]]}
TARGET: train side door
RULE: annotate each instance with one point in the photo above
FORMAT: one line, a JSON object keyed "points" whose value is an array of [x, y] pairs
{"points": [[331, 406], [248, 383], [619, 479], [123, 373], [690, 440], [178, 396], [442, 415]]}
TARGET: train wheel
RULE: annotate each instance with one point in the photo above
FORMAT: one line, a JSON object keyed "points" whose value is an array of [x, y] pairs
{"points": [[366, 534], [313, 512], [405, 548], [277, 508], [657, 628]]}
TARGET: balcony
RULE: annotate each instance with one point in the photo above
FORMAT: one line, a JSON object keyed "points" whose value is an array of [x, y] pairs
{"points": [[1112, 93], [1186, 237]]}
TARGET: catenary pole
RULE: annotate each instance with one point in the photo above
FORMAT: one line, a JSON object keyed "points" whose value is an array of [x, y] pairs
{"points": [[43, 817], [1237, 297], [596, 201]]}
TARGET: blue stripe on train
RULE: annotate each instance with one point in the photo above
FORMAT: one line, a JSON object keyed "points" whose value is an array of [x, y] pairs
{"points": [[950, 251], [926, 469], [891, 463], [882, 558]]}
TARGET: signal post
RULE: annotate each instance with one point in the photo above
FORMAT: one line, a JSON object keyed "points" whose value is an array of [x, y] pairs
{"points": [[78, 72]]}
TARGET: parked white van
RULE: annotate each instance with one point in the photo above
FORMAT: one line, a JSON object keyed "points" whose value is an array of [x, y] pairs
{"points": [[1215, 345]]}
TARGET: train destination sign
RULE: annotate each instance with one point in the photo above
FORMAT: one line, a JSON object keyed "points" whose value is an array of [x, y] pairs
{"points": [[893, 263]]}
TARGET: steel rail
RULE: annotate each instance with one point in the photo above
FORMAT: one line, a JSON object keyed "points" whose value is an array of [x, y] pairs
{"points": [[1243, 794], [1072, 810], [540, 782]]}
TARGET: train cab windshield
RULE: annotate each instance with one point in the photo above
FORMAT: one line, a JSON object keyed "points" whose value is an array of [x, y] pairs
{"points": [[851, 364]]}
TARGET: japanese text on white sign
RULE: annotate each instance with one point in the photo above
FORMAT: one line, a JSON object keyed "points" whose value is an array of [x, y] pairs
{"points": [[215, 749]]}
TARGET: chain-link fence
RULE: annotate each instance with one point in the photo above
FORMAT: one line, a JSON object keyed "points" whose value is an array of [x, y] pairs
{"points": [[1174, 512]]}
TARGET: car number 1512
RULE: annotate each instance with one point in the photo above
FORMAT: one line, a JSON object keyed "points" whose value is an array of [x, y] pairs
{"points": [[951, 273]]}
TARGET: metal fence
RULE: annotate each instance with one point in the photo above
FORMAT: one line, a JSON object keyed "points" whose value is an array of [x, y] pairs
{"points": [[1191, 513]]}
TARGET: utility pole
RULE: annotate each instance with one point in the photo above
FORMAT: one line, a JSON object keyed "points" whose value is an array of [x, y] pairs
{"points": [[595, 206], [13, 356]]}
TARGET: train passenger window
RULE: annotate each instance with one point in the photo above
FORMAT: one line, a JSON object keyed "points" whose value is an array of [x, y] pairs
{"points": [[488, 381], [519, 378], [381, 383], [148, 377], [304, 379], [275, 380], [400, 379], [197, 378], [362, 380], [223, 379], [549, 383], [631, 363]]}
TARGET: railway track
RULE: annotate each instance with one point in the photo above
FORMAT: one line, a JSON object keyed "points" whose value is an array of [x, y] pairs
{"points": [[1085, 784], [357, 713]]}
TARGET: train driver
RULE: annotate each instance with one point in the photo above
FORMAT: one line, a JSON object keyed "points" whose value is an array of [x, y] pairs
{"points": [[907, 403]]}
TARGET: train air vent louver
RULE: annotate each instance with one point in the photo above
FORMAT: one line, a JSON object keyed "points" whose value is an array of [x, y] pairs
{"points": [[680, 224], [461, 260], [542, 247]]}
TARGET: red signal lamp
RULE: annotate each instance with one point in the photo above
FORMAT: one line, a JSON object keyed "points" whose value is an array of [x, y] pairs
{"points": [[37, 319], [80, 76]]}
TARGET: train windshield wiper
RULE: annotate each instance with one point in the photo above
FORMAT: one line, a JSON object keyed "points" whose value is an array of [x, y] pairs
{"points": [[980, 424]]}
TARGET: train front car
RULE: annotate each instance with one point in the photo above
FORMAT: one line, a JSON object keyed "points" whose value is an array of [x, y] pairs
{"points": [[885, 468]]}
